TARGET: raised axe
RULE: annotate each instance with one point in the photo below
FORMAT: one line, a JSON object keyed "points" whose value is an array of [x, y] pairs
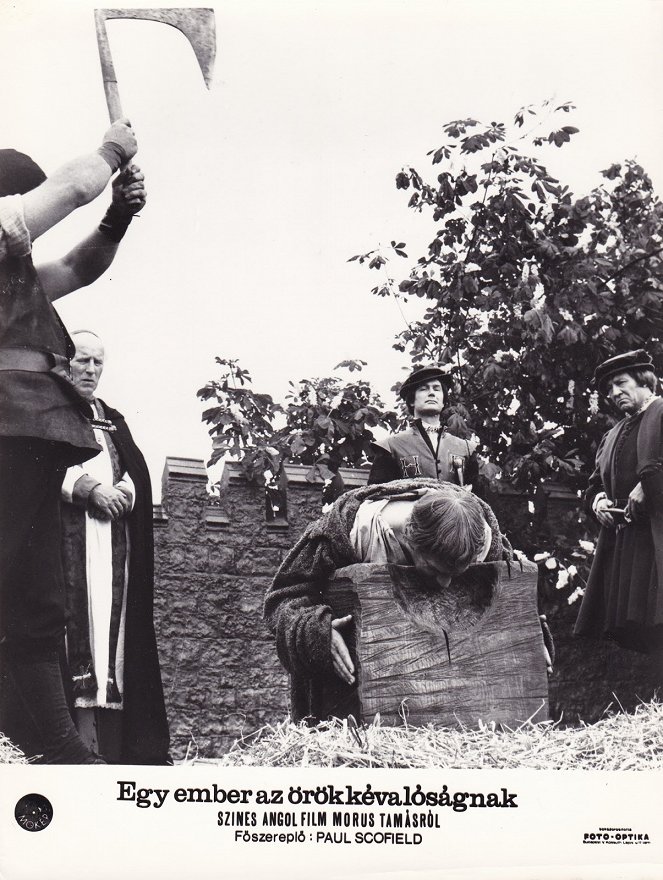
{"points": [[197, 25]]}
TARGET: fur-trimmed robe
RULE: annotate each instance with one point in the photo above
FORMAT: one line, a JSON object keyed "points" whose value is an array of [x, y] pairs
{"points": [[145, 737], [623, 600], [293, 605]]}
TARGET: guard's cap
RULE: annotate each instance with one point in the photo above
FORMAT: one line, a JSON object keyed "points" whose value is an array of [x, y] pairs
{"points": [[630, 360], [424, 374]]}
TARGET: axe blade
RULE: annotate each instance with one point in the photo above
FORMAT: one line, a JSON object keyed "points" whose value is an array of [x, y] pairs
{"points": [[196, 23]]}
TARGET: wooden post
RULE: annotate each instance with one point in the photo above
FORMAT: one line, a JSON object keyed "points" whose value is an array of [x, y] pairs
{"points": [[497, 671]]}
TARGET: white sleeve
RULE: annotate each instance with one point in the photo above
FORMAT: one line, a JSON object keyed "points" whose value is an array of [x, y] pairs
{"points": [[360, 534], [72, 475], [372, 536]]}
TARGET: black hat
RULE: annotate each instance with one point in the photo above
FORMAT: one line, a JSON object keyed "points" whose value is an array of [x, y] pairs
{"points": [[424, 374], [18, 173], [630, 360]]}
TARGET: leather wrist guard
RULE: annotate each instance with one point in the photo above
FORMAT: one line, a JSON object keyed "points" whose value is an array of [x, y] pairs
{"points": [[115, 223]]}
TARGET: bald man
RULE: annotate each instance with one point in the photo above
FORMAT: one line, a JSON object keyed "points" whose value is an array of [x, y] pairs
{"points": [[107, 551]]}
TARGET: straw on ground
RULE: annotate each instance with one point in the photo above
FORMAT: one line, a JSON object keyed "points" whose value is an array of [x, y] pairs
{"points": [[9, 753], [618, 742]]}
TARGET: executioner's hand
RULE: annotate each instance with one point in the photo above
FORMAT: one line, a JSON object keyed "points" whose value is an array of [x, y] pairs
{"points": [[129, 194], [129, 197], [119, 144]]}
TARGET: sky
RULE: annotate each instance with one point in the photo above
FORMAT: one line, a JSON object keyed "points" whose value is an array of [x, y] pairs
{"points": [[260, 189]]}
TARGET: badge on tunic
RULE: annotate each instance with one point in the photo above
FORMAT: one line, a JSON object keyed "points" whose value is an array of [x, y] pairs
{"points": [[410, 467]]}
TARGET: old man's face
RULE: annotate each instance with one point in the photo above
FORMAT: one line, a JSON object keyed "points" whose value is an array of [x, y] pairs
{"points": [[87, 364], [625, 392]]}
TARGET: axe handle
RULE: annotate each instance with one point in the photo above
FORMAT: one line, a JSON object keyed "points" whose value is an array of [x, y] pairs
{"points": [[107, 68], [113, 100]]}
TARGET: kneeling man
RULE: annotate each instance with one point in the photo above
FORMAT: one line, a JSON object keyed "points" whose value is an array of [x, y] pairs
{"points": [[439, 528]]}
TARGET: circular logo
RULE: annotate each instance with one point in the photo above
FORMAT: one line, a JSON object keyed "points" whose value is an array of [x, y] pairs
{"points": [[33, 812]]}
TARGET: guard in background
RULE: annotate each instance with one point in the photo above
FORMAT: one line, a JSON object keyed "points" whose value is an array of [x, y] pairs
{"points": [[427, 448]]}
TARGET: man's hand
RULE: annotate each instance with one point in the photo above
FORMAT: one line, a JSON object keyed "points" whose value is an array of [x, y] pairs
{"points": [[119, 144], [107, 503], [343, 666], [129, 195], [76, 184], [601, 512], [636, 508]]}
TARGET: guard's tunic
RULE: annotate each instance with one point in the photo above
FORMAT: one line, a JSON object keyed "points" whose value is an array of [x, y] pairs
{"points": [[416, 453]]}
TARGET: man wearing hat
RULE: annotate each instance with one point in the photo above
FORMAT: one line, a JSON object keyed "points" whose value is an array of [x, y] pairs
{"points": [[427, 448], [623, 600], [44, 424]]}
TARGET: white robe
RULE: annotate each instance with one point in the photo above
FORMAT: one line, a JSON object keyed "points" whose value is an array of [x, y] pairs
{"points": [[99, 567]]}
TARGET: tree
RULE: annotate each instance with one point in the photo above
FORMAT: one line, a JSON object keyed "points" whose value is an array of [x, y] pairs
{"points": [[527, 288], [326, 424], [524, 289]]}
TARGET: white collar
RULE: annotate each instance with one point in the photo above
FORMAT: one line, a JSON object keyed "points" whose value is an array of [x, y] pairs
{"points": [[431, 429]]}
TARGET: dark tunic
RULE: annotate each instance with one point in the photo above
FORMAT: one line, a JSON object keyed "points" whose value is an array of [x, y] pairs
{"points": [[416, 453], [43, 429], [45, 404], [145, 737], [623, 599]]}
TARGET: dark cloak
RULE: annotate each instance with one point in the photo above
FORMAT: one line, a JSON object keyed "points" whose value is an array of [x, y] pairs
{"points": [[623, 600], [145, 736]]}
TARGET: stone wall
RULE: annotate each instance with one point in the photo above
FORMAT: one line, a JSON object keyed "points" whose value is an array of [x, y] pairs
{"points": [[214, 561]]}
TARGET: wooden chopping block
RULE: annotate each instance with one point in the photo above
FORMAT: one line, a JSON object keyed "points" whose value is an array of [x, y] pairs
{"points": [[497, 671]]}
